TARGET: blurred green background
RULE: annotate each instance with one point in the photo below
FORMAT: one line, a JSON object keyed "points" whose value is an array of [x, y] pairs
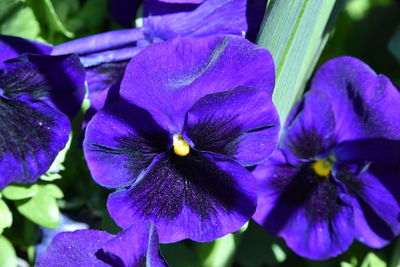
{"points": [[366, 29]]}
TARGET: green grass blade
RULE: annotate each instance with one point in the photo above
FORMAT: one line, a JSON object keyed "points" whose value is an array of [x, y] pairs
{"points": [[295, 32]]}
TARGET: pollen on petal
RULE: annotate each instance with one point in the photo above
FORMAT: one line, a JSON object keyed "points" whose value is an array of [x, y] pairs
{"points": [[181, 147], [322, 167]]}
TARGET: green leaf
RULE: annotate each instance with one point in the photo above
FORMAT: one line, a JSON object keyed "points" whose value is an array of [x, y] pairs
{"points": [[49, 21], [5, 216], [395, 261], [394, 44], [57, 166], [7, 253], [257, 248], [179, 255], [18, 19], [20, 191], [372, 260], [295, 32], [42, 208]]}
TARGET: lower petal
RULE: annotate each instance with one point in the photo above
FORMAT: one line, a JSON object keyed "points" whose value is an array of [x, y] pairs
{"points": [[31, 136], [376, 211], [309, 214], [202, 197]]}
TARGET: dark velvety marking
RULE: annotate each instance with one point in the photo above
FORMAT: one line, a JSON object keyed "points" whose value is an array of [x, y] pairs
{"points": [[103, 76], [141, 150], [355, 187], [24, 131], [352, 183], [55, 79], [306, 144], [317, 195], [110, 258], [176, 181], [218, 135]]}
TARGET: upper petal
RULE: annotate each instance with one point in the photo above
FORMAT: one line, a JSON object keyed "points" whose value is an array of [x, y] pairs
{"points": [[31, 136], [201, 196], [58, 80], [167, 78], [365, 104], [310, 130], [241, 123], [11, 47], [120, 142], [209, 18], [104, 47]]}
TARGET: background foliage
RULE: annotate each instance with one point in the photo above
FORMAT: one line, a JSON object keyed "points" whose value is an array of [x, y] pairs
{"points": [[367, 29]]}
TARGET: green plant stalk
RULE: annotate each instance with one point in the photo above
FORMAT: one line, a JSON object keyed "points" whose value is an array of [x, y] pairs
{"points": [[295, 32]]}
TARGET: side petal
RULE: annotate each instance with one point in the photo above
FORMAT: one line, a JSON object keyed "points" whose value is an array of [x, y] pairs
{"points": [[309, 214], [120, 142], [167, 78], [209, 18], [58, 80], [365, 104], [70, 249], [241, 123], [31, 136], [201, 196], [101, 79], [135, 246], [376, 210], [11, 47], [311, 130]]}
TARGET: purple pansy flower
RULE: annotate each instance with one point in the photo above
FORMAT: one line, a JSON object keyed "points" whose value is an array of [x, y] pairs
{"points": [[60, 81], [136, 246], [335, 176], [106, 55], [193, 112], [32, 88]]}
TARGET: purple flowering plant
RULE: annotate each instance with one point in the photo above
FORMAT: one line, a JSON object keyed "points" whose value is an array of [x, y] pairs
{"points": [[334, 177], [178, 146], [165, 133], [35, 105]]}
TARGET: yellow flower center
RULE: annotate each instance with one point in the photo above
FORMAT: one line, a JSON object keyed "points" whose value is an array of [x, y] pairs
{"points": [[181, 147], [322, 167]]}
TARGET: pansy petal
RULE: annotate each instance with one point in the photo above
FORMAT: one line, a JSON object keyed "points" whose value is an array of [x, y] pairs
{"points": [[101, 79], [210, 17], [167, 78], [309, 214], [124, 12], [135, 246], [104, 47], [119, 145], [254, 13], [58, 80], [311, 130], [71, 249], [31, 136], [365, 104], [157, 8], [241, 123], [182, 1], [11, 47], [376, 210], [201, 196]]}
